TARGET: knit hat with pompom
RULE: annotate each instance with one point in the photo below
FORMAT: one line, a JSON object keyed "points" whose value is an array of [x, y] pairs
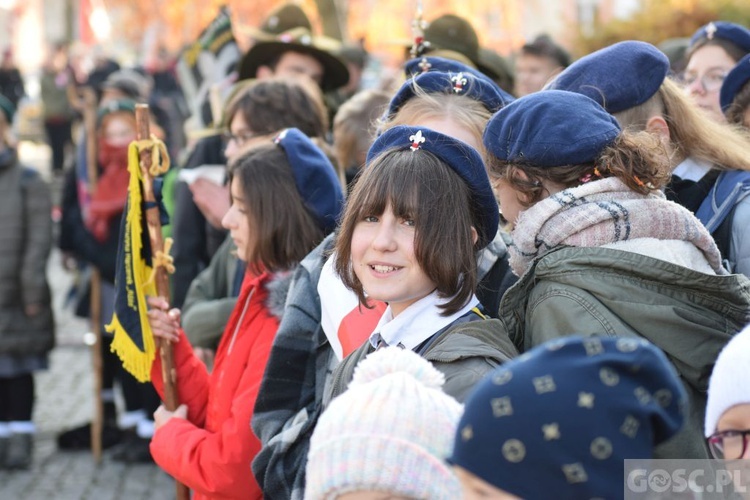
{"points": [[389, 432]]}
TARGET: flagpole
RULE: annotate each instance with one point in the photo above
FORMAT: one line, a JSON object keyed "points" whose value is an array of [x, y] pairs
{"points": [[97, 423], [168, 372], [84, 101]]}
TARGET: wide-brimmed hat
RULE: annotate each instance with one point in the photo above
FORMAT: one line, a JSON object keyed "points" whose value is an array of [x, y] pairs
{"points": [[298, 40], [281, 19], [454, 33]]}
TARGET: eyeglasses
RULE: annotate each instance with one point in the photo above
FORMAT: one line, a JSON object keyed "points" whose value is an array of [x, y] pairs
{"points": [[729, 444], [710, 82], [239, 139]]}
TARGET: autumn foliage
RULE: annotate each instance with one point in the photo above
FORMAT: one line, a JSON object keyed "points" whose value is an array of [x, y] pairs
{"points": [[659, 20]]}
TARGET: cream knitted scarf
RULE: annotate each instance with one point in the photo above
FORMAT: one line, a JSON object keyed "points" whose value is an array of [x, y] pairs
{"points": [[599, 213]]}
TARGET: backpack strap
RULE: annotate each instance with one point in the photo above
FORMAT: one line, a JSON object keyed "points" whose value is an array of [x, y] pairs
{"points": [[730, 188]]}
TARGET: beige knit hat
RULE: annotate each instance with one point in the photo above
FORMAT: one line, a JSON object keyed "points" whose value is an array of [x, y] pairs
{"points": [[389, 432]]}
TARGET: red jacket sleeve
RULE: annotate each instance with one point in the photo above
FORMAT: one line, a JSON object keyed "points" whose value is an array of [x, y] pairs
{"points": [[192, 379], [218, 463]]}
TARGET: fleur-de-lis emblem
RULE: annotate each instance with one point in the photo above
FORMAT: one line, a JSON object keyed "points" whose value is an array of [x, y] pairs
{"points": [[281, 136], [424, 65], [710, 31], [459, 81], [416, 140]]}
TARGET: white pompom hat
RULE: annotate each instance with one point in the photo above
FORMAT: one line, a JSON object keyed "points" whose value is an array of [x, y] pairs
{"points": [[730, 381], [390, 432]]}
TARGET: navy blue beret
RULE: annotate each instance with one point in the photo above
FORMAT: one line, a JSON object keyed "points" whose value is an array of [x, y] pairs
{"points": [[459, 156], [733, 83], [618, 77], [419, 65], [738, 35], [314, 176], [552, 128], [437, 82], [7, 108], [604, 400]]}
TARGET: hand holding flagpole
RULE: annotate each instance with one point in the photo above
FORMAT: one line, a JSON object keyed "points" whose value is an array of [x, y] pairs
{"points": [[160, 263]]}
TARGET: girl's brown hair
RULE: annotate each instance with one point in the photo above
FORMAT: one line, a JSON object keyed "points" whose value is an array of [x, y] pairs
{"points": [[692, 133], [417, 186], [638, 159], [284, 229]]}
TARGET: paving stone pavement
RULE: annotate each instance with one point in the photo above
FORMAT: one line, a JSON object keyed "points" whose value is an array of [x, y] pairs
{"points": [[65, 399]]}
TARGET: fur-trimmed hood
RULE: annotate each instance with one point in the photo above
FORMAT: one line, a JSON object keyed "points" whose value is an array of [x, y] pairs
{"points": [[278, 288]]}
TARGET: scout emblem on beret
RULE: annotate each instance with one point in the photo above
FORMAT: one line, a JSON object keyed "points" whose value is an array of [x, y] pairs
{"points": [[281, 136], [459, 81], [416, 140], [425, 65], [710, 31]]}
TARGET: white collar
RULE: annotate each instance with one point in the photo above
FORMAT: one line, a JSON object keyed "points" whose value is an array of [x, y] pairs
{"points": [[416, 323], [691, 169]]}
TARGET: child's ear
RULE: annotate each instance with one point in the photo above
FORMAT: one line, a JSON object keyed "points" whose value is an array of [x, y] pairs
{"points": [[474, 235]]}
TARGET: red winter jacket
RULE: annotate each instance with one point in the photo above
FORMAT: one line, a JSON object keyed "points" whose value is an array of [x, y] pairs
{"points": [[211, 452]]}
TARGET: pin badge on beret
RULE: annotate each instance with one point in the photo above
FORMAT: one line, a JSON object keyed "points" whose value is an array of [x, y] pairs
{"points": [[458, 82], [424, 65], [280, 137], [710, 31], [416, 140]]}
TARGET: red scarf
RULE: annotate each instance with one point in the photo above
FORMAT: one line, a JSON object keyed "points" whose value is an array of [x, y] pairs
{"points": [[111, 193]]}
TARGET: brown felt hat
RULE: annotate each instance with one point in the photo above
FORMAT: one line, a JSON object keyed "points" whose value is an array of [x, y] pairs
{"points": [[450, 32], [298, 40], [281, 19]]}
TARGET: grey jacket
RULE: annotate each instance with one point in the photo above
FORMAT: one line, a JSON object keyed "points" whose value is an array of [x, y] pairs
{"points": [[464, 352], [26, 229], [600, 291]]}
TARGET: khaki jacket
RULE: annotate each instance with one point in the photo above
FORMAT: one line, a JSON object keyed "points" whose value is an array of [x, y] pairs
{"points": [[464, 352], [600, 291]]}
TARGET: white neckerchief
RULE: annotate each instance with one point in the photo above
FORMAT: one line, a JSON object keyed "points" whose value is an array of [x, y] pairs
{"points": [[691, 169], [416, 323]]}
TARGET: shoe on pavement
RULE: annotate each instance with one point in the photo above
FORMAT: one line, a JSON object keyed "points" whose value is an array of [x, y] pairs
{"points": [[18, 452], [79, 438]]}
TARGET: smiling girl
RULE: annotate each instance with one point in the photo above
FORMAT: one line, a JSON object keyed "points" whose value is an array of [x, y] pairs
{"points": [[418, 215]]}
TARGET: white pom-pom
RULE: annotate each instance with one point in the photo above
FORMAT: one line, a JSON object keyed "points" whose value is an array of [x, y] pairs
{"points": [[392, 360]]}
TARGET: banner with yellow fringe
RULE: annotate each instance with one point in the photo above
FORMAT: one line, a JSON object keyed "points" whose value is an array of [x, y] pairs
{"points": [[133, 340]]}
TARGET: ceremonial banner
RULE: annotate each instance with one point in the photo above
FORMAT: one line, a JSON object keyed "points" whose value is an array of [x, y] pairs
{"points": [[133, 342], [209, 61]]}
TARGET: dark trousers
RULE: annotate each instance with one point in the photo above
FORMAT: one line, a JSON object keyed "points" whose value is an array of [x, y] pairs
{"points": [[58, 136], [16, 398], [137, 395]]}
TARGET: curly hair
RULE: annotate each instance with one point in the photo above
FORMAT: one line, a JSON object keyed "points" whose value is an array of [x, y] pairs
{"points": [[735, 113], [638, 159]]}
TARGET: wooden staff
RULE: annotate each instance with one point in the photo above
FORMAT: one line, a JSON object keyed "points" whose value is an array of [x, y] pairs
{"points": [[97, 424], [86, 104], [168, 372]]}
